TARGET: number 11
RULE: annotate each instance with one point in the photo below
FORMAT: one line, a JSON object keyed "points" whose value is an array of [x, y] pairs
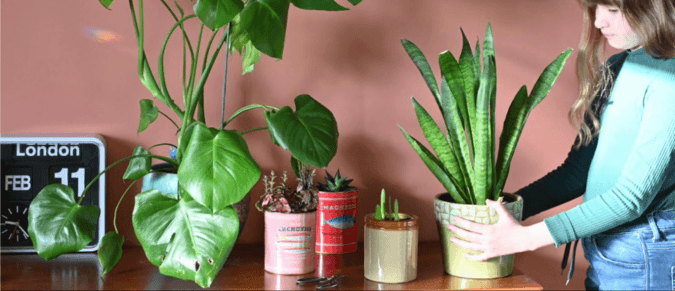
{"points": [[79, 175]]}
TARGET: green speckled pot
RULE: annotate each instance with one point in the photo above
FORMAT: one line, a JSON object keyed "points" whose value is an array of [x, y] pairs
{"points": [[453, 255]]}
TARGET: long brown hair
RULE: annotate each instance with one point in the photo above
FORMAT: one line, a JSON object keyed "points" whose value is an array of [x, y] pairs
{"points": [[652, 20]]}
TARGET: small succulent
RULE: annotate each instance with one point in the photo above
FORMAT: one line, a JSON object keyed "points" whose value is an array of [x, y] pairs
{"points": [[282, 198], [336, 184], [381, 210]]}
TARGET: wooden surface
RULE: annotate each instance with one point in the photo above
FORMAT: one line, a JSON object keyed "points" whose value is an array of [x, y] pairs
{"points": [[244, 269]]}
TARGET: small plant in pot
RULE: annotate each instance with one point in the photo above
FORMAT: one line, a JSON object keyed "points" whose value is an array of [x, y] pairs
{"points": [[390, 244], [290, 223], [214, 170], [337, 231], [466, 161]]}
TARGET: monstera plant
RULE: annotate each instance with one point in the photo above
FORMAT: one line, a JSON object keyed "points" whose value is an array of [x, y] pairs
{"points": [[190, 236]]}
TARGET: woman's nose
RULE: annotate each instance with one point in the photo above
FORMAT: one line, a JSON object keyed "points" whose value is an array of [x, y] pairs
{"points": [[600, 20]]}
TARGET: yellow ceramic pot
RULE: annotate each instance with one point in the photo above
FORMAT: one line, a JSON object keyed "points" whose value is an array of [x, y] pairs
{"points": [[453, 255], [390, 249]]}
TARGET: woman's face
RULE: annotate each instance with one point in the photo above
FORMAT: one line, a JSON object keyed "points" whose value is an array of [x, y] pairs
{"points": [[615, 28]]}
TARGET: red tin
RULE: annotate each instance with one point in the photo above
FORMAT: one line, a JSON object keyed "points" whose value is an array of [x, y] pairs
{"points": [[336, 222]]}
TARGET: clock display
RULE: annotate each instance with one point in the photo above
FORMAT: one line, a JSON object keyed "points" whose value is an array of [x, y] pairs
{"points": [[29, 163]]}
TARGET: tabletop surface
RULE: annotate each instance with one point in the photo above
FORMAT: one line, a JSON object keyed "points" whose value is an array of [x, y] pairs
{"points": [[244, 269]]}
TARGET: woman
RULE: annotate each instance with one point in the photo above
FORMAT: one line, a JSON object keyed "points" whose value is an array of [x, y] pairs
{"points": [[623, 160]]}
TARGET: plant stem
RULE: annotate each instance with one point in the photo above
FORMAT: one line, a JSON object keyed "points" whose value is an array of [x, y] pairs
{"points": [[168, 160], [169, 118], [227, 53], [255, 129], [161, 144], [120, 202]]}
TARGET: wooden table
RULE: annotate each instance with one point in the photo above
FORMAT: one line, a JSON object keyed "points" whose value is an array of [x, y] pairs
{"points": [[244, 269]]}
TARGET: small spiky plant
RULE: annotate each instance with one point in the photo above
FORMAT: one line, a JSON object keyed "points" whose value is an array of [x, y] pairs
{"points": [[282, 198], [336, 183], [381, 210]]}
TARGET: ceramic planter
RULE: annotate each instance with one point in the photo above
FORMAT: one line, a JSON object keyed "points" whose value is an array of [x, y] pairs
{"points": [[453, 255], [390, 249], [167, 183], [289, 242], [336, 222]]}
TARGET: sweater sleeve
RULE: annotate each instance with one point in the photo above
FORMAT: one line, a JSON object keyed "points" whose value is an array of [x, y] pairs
{"points": [[561, 185], [645, 171]]}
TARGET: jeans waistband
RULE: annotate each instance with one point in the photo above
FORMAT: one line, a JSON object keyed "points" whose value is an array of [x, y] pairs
{"points": [[650, 222]]}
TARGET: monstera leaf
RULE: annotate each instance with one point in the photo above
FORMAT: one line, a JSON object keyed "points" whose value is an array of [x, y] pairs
{"points": [[110, 251], [183, 238], [148, 114], [265, 22], [217, 13], [217, 169], [138, 166], [57, 224], [310, 133]]}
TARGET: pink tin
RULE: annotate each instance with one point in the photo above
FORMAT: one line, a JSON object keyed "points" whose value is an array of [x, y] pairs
{"points": [[289, 242]]}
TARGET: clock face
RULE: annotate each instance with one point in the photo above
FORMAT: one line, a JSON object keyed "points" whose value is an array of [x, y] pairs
{"points": [[14, 225], [31, 163]]}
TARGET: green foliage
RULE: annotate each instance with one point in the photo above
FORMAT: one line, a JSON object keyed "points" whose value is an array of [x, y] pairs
{"points": [[466, 161], [381, 209], [214, 166], [336, 183]]}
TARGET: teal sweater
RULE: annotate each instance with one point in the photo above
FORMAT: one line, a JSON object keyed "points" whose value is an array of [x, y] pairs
{"points": [[632, 170]]}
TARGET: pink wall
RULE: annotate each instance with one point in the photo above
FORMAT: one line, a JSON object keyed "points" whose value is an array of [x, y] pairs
{"points": [[57, 79]]}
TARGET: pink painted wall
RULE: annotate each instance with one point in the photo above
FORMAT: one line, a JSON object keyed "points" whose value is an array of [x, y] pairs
{"points": [[57, 79]]}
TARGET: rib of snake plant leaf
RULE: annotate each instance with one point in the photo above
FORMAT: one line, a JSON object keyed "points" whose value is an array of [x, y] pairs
{"points": [[457, 138], [436, 167], [509, 137], [482, 146], [420, 61], [518, 118], [446, 97], [440, 145], [470, 81], [452, 74]]}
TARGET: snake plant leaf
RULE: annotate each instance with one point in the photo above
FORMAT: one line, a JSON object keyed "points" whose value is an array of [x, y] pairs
{"points": [[452, 74], [217, 169], [148, 114], [518, 112], [138, 166], [355, 2], [217, 13], [440, 145], [325, 5], [57, 224], [106, 3], [482, 163], [265, 22], [184, 238], [476, 60], [310, 133], [422, 64], [110, 251], [435, 166]]}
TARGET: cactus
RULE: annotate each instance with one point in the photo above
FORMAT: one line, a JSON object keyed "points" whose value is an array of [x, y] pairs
{"points": [[336, 183]]}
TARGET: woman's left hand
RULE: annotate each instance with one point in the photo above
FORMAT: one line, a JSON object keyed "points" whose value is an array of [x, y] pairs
{"points": [[505, 237]]}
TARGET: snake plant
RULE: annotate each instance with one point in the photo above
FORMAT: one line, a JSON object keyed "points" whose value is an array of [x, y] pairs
{"points": [[466, 160]]}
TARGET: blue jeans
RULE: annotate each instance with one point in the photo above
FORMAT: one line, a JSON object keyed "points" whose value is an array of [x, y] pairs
{"points": [[639, 255]]}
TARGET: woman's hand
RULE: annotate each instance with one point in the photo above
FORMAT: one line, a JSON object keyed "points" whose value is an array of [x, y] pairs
{"points": [[505, 237]]}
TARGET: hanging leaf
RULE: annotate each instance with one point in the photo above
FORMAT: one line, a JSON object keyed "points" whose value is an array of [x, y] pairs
{"points": [[326, 5], [183, 238], [217, 13], [110, 251], [217, 169], [139, 166], [106, 3], [265, 23], [148, 114], [250, 58], [310, 133], [57, 224]]}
